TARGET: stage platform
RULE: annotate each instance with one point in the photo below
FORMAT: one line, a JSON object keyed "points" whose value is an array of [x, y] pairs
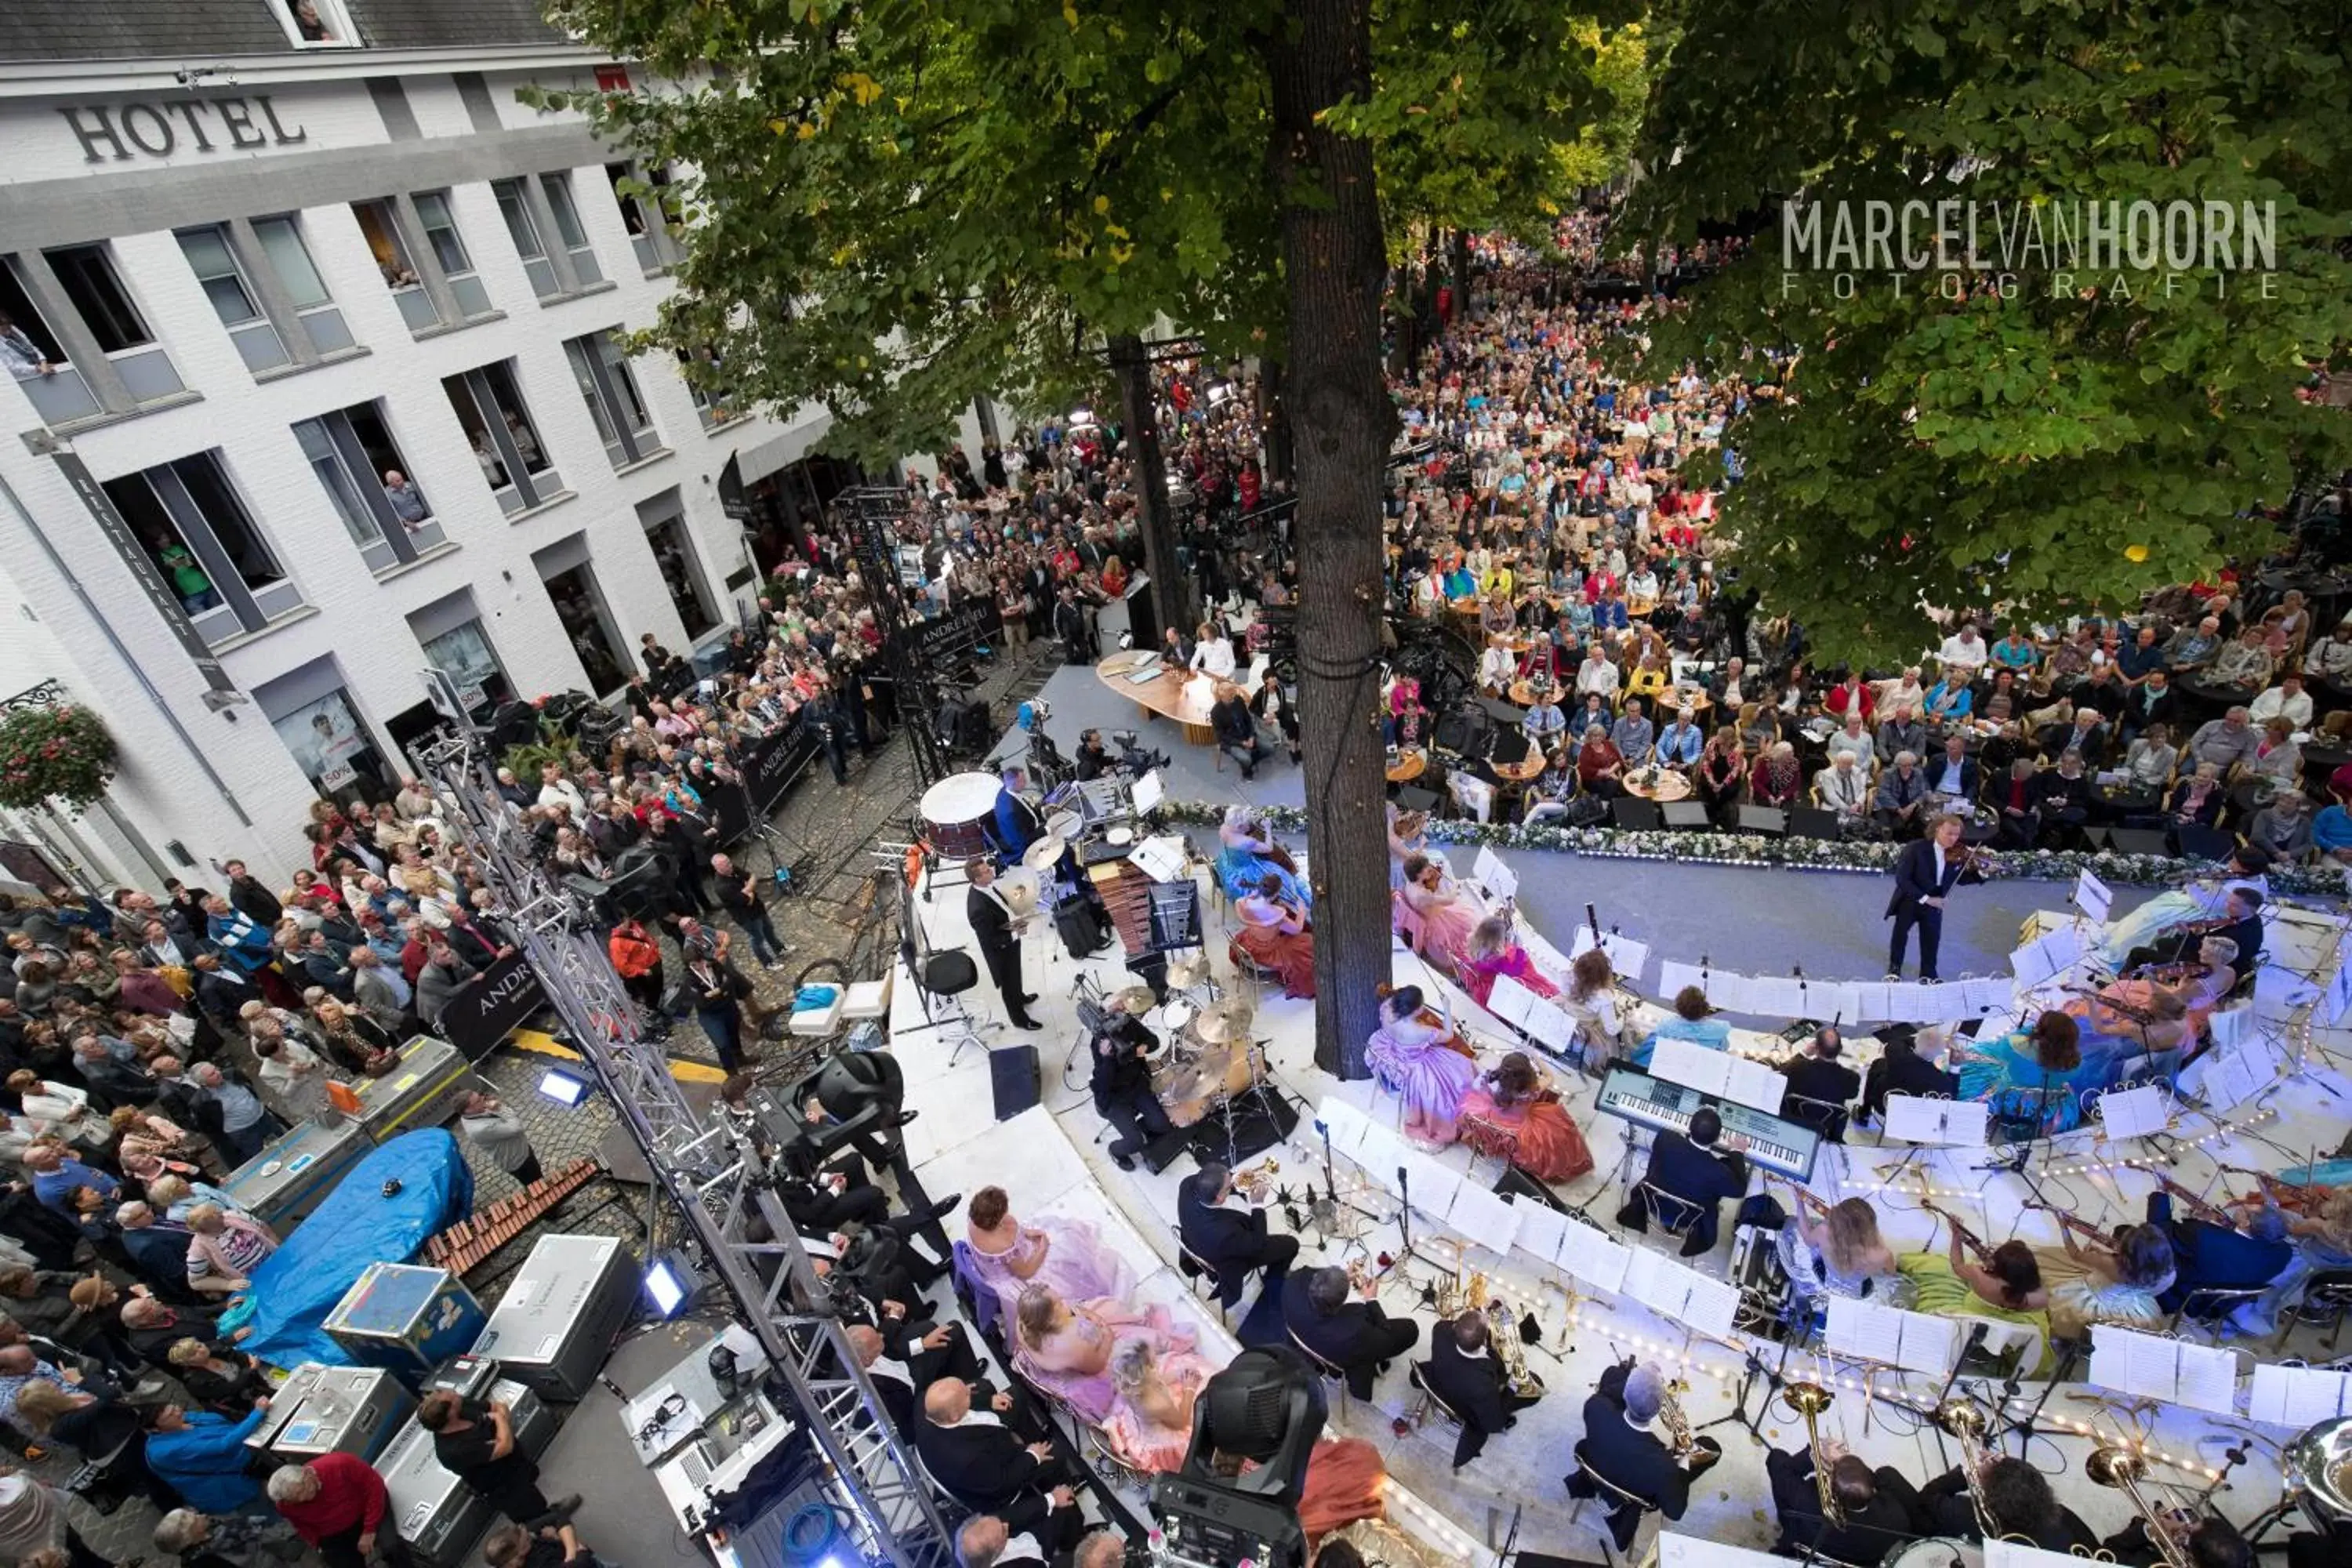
{"points": [[1049, 1161]]}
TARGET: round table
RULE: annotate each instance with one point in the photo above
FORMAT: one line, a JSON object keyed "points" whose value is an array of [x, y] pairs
{"points": [[1527, 768], [1525, 697], [1658, 784], [1409, 766]]}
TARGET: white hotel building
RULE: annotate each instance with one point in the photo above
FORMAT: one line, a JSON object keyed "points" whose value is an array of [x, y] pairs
{"points": [[250, 273]]}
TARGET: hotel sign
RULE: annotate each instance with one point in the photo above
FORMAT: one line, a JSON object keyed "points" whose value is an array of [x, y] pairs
{"points": [[123, 133]]}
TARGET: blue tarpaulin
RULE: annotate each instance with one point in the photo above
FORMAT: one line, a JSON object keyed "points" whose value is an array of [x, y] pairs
{"points": [[357, 1224]]}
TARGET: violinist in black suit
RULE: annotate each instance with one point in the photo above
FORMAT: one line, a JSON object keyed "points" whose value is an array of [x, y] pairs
{"points": [[1924, 875], [1815, 1075], [1464, 1372], [1229, 1238], [1357, 1337], [1122, 1086]]}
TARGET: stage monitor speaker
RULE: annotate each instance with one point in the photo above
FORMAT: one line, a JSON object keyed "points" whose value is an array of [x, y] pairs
{"points": [[1510, 749], [1632, 813], [1013, 1078], [1466, 732], [1813, 822], [2137, 840], [1770, 820], [2199, 843], [1505, 715], [1684, 815], [1517, 1186], [1411, 799]]}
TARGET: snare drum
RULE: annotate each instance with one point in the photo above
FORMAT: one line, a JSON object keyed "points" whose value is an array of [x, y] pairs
{"points": [[956, 812], [1937, 1551]]}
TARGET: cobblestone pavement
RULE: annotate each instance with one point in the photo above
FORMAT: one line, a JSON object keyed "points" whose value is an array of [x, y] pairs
{"points": [[840, 909]]}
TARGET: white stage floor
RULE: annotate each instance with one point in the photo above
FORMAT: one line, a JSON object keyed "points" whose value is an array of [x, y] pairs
{"points": [[1049, 1162]]}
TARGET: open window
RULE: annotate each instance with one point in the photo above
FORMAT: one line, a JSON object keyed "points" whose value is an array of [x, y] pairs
{"points": [[316, 23]]}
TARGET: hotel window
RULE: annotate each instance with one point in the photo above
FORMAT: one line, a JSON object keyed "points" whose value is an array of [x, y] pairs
{"points": [[447, 249], [36, 358], [713, 403], [505, 441], [316, 23], [641, 213], [86, 276], [464, 654], [378, 501], [514, 205], [380, 226], [288, 260], [610, 391], [569, 229], [681, 574], [234, 299], [188, 516]]}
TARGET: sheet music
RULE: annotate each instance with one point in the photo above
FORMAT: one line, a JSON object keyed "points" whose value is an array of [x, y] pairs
{"points": [[2230, 1025], [1627, 957], [1696, 1552], [1711, 1307], [1834, 1001], [1985, 993], [1692, 1064], [1729, 994], [1775, 996], [2133, 1362], [1509, 1001], [2231, 1079], [1673, 976], [1940, 1004], [1903, 1001], [1540, 1229], [2053, 954], [1434, 1186], [1550, 1026], [2208, 1380], [1650, 1280], [1148, 791], [1929, 1343], [1379, 1154], [1862, 1332], [2266, 1401], [1953, 1123], [2312, 1395], [2133, 1113], [1869, 1002], [1163, 858], [1483, 1217], [2093, 897], [1593, 1257], [1499, 879], [2015, 1554], [1755, 1084], [1346, 1123]]}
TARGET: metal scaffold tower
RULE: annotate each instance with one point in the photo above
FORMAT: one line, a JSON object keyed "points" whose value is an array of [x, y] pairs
{"points": [[712, 1171]]}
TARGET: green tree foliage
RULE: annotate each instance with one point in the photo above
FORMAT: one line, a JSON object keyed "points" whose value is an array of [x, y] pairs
{"points": [[2057, 442]]}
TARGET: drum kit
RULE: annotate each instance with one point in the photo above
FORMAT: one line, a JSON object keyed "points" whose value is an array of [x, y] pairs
{"points": [[1207, 1058]]}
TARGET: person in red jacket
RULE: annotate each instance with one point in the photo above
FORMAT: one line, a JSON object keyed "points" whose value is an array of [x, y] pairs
{"points": [[337, 1503]]}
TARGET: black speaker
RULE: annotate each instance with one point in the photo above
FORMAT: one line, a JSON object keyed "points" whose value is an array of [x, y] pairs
{"points": [[1519, 1186], [1013, 1078], [1466, 732], [1814, 822], [1160, 1153], [1260, 1122], [1683, 814], [2137, 840], [1411, 799], [1631, 812], [1510, 749], [1766, 819]]}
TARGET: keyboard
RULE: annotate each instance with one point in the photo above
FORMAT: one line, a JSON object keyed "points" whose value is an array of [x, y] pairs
{"points": [[1783, 1146]]}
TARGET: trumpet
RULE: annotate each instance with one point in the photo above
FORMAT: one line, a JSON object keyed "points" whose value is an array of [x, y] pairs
{"points": [[1256, 1185], [2113, 1465], [1809, 1399]]}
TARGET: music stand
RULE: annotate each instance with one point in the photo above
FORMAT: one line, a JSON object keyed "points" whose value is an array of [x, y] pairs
{"points": [[1768, 820], [1631, 812]]}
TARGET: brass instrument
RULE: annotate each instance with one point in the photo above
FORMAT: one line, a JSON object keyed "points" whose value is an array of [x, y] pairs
{"points": [[2113, 1465], [1359, 1275], [1967, 1422], [1256, 1185], [1503, 1334], [1809, 1399], [1680, 1441]]}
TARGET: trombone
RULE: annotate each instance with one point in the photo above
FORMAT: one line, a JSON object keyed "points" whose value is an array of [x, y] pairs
{"points": [[1809, 1399], [1967, 1422], [2116, 1465]]}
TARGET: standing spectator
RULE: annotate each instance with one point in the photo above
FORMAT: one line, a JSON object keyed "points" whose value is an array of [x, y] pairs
{"points": [[33, 1518], [202, 1457], [246, 1123], [58, 1175], [227, 1248], [638, 958], [476, 1442], [718, 991], [224, 1540], [739, 896], [500, 1135], [380, 991], [337, 1504]]}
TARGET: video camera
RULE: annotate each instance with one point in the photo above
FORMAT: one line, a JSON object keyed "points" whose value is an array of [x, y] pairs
{"points": [[1133, 755]]}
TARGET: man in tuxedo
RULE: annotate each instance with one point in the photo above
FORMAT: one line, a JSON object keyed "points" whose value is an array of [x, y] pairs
{"points": [[2244, 912], [1873, 1519], [988, 1541], [1229, 1236], [1464, 1372], [1122, 1086], [1816, 1075], [1925, 874], [2018, 1497], [1687, 1167], [1901, 1070], [1625, 1446], [993, 927], [1357, 1337], [984, 1464], [902, 1373]]}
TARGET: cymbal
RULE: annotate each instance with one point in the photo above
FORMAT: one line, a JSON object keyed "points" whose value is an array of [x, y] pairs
{"points": [[1134, 999], [1044, 854], [1183, 974], [1226, 1021]]}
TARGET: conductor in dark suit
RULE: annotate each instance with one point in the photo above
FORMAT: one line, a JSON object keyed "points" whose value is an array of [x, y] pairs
{"points": [[985, 1466], [1924, 875], [1464, 1372], [1688, 1167], [1357, 1337], [1625, 1445], [1230, 1238], [1000, 944], [1873, 1517]]}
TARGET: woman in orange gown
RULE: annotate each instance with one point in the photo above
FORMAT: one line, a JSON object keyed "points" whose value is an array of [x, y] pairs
{"points": [[1274, 933], [1551, 1147]]}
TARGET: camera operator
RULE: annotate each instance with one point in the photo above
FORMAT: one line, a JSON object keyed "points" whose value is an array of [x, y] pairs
{"points": [[1122, 1084], [1093, 760]]}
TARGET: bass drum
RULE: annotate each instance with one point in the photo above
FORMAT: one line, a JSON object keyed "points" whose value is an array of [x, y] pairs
{"points": [[1936, 1552]]}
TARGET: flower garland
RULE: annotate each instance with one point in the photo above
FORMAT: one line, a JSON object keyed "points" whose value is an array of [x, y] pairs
{"points": [[60, 753], [1792, 854]]}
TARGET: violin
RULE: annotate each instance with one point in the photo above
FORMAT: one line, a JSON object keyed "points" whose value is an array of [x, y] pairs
{"points": [[2196, 1205], [2302, 1198]]}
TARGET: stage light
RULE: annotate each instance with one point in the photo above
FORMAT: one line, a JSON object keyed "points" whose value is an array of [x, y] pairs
{"points": [[1081, 418], [1220, 392], [669, 1284], [566, 1089]]}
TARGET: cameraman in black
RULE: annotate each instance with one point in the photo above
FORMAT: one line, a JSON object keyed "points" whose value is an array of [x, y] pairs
{"points": [[1092, 761], [1122, 1084]]}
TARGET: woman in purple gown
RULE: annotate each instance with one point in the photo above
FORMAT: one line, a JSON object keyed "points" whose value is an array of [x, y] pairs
{"points": [[1065, 1347], [1413, 1052], [1067, 1257]]}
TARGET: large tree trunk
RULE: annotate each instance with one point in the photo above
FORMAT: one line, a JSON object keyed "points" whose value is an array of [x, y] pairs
{"points": [[1171, 591], [1274, 421], [1333, 263]]}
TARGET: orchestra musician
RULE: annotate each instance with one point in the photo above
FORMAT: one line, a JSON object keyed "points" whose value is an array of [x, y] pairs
{"points": [[1625, 1446], [1357, 1337], [1924, 875], [1464, 1372], [1122, 1084], [1689, 1173], [2211, 1254], [997, 931], [1227, 1233], [2213, 1543], [2016, 1495], [1821, 1085], [2240, 922], [1902, 1068], [1874, 1519]]}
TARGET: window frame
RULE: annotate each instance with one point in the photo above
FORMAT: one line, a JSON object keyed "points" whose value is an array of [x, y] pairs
{"points": [[563, 207], [255, 326], [396, 542], [601, 370], [464, 283], [104, 254], [331, 12], [525, 487], [167, 486], [326, 341], [383, 213], [513, 196]]}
